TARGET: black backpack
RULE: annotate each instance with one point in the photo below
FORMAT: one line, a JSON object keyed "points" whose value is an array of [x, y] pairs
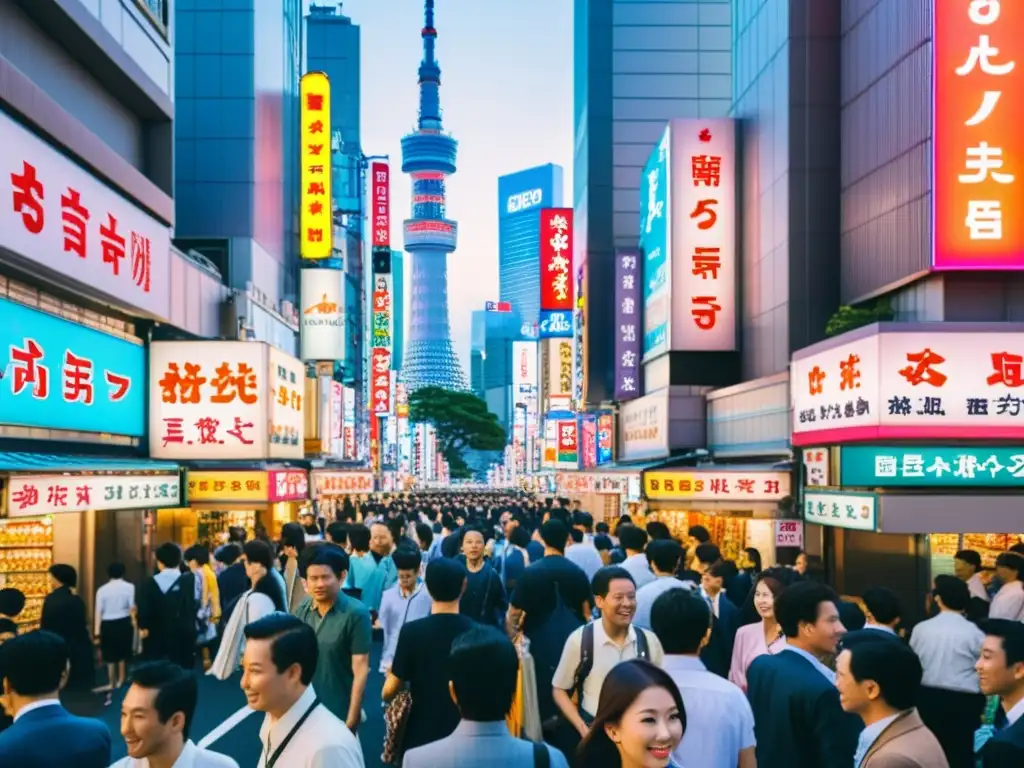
{"points": [[586, 664], [546, 643]]}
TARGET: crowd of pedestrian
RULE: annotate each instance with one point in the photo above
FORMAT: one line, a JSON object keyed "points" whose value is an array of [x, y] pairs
{"points": [[517, 632]]}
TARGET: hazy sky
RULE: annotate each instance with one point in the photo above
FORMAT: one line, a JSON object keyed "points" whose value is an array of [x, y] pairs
{"points": [[506, 93]]}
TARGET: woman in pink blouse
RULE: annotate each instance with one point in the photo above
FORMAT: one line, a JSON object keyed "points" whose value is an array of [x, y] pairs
{"points": [[764, 636]]}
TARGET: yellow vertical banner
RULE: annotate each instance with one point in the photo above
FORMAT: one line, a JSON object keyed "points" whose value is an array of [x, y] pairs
{"points": [[316, 225]]}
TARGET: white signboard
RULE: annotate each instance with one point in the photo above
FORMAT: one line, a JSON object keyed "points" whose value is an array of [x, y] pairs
{"points": [[817, 467], [643, 430], [58, 215], [524, 363], [946, 383], [703, 235], [30, 495], [224, 400], [856, 511], [523, 201], [789, 533], [322, 314]]}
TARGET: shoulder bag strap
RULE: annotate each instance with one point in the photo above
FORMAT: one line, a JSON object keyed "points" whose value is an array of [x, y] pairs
{"points": [[271, 761], [643, 649], [586, 659], [541, 756]]}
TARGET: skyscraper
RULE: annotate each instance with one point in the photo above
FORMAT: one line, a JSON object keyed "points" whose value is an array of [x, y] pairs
{"points": [[398, 309], [428, 156]]}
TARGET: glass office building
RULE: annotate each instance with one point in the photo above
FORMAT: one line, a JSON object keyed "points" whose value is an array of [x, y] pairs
{"points": [[521, 196]]}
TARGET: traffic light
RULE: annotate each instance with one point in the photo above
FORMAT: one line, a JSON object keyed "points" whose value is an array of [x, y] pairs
{"points": [[381, 261]]}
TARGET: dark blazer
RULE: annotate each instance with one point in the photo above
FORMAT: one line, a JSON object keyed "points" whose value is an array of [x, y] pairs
{"points": [[64, 615], [1006, 748], [798, 721], [51, 737], [717, 654], [231, 583]]}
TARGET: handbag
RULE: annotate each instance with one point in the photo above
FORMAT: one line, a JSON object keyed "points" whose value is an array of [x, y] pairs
{"points": [[396, 713]]}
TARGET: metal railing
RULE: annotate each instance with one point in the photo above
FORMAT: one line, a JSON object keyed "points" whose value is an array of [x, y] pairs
{"points": [[157, 11]]}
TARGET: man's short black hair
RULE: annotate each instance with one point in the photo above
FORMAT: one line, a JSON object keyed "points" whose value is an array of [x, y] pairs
{"points": [[707, 553], [555, 534], [257, 551], [955, 594], [292, 642], [65, 574], [799, 604], [484, 673], [359, 538], [325, 553], [115, 571], [584, 520], [228, 554], [519, 537], [893, 666], [424, 534], [176, 690], [445, 578], [1011, 560], [970, 557], [34, 663], [168, 554], [664, 554], [577, 535], [632, 537], [337, 532], [851, 615], [681, 620], [12, 601], [197, 552], [883, 604], [700, 533], [293, 535], [603, 542], [407, 559], [658, 531], [602, 527], [1012, 635], [604, 577]]}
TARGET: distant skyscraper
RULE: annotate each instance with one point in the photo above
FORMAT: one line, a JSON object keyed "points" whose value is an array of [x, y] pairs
{"points": [[477, 356], [398, 311], [521, 196], [428, 156]]}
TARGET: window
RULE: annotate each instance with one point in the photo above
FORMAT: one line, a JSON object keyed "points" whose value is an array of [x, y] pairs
{"points": [[157, 12]]}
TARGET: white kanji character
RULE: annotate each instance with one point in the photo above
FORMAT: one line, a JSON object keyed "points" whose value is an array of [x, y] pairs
{"points": [[655, 207], [629, 385], [939, 467], [629, 359], [983, 12], [913, 465], [628, 281], [984, 159], [966, 466], [991, 465], [560, 241], [981, 55], [985, 219], [1017, 465], [988, 106], [560, 285], [886, 466], [628, 332], [629, 262], [559, 223], [627, 306]]}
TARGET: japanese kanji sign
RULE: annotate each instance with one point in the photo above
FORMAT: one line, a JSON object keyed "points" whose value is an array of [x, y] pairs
{"points": [[643, 427], [789, 533], [627, 327], [719, 485], [61, 375], [225, 400], [30, 495], [316, 220], [333, 483], [656, 270], [228, 486], [56, 214], [567, 442], [949, 382], [977, 140], [839, 509], [380, 198], [556, 273], [874, 466]]}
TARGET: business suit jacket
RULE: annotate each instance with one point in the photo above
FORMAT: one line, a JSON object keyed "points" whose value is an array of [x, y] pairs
{"points": [[717, 654], [906, 743], [481, 745], [1006, 748], [798, 721], [297, 593], [64, 615], [51, 737]]}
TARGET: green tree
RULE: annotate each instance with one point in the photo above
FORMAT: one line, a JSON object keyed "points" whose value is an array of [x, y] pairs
{"points": [[847, 318], [462, 422]]}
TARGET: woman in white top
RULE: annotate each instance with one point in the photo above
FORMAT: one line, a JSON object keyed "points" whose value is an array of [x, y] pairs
{"points": [[1009, 600], [264, 598], [114, 625], [760, 638]]}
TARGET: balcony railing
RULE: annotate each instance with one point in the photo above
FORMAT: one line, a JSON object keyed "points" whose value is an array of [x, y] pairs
{"points": [[157, 11]]}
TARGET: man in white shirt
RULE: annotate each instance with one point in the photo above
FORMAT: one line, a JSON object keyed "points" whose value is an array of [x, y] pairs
{"points": [[663, 557], [583, 553], [951, 703], [634, 541], [1009, 600], [719, 721], [155, 719], [967, 568], [298, 731], [407, 601], [115, 604]]}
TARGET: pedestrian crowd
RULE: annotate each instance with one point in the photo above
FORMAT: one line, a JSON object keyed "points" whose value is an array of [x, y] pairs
{"points": [[516, 632]]}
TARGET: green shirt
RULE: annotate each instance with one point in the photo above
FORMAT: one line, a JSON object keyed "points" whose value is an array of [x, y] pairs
{"points": [[343, 632]]}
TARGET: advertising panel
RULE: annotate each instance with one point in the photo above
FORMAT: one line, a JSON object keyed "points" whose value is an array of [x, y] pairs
{"points": [[556, 280], [555, 324], [348, 428], [559, 368], [817, 466], [336, 428], [722, 485], [605, 438], [498, 306], [66, 220], [323, 315], [380, 173], [316, 220], [951, 382], [842, 509], [978, 161], [627, 326], [328, 482], [31, 495], [524, 362], [789, 533], [568, 443], [922, 466], [380, 356], [62, 375], [643, 428], [224, 400], [588, 440], [703, 241], [228, 486], [655, 232]]}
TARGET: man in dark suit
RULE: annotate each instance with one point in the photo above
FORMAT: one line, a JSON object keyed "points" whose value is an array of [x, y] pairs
{"points": [[44, 734], [717, 654], [798, 721], [1001, 673]]}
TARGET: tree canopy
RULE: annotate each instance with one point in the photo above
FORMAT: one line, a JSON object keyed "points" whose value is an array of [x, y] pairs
{"points": [[462, 422]]}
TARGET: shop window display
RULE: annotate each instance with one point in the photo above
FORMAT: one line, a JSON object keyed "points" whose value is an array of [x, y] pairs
{"points": [[26, 554], [943, 546]]}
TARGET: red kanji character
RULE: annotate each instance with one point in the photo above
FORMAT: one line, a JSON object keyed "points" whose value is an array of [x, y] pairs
{"points": [[229, 385], [314, 235], [26, 496], [174, 383], [315, 102], [719, 485], [175, 432], [317, 126], [82, 496], [704, 209], [771, 488], [316, 169], [921, 372], [28, 198], [77, 378], [236, 432], [57, 496], [28, 369], [315, 149], [705, 311], [113, 244], [142, 261], [316, 208], [1007, 370], [745, 485], [74, 215], [707, 262], [849, 376], [704, 135], [120, 385], [208, 430], [316, 188], [815, 380], [706, 170]]}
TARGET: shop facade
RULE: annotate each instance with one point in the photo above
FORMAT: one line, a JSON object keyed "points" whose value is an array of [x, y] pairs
{"points": [[605, 494], [331, 488]]}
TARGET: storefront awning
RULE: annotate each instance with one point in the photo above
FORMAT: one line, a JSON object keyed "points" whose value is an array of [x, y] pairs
{"points": [[48, 463]]}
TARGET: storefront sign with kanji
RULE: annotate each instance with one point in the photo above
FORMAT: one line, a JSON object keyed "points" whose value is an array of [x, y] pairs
{"points": [[718, 485], [627, 327], [228, 486], [841, 509], [335, 483], [556, 276], [655, 248], [923, 466], [817, 467], [900, 383], [33, 495], [316, 220], [568, 443], [380, 177], [224, 400], [56, 214], [789, 533], [978, 161], [288, 484]]}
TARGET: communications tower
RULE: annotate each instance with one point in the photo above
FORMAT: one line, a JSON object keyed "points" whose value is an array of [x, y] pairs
{"points": [[428, 156]]}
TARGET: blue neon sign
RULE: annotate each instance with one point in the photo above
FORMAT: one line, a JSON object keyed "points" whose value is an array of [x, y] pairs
{"points": [[62, 375], [555, 324], [655, 209]]}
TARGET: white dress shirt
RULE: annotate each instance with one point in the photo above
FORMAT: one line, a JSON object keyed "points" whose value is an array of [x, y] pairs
{"points": [[976, 587], [869, 736], [879, 627], [639, 569], [396, 611], [191, 757], [949, 646], [719, 720], [586, 557], [323, 741], [648, 593], [1015, 713], [1008, 602], [36, 705], [114, 600], [711, 601]]}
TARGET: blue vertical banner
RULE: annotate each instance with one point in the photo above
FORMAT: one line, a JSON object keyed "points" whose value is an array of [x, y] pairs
{"points": [[655, 229]]}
